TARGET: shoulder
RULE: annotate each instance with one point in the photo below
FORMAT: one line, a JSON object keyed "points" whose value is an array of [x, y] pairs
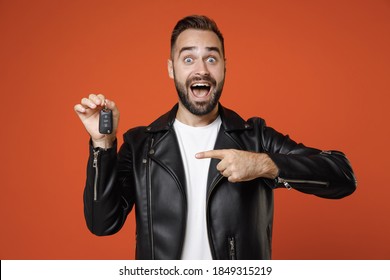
{"points": [[135, 135], [234, 122], [135, 131], [162, 124], [257, 122]]}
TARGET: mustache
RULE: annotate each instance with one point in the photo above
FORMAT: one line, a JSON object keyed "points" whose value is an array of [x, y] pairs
{"points": [[203, 78]]}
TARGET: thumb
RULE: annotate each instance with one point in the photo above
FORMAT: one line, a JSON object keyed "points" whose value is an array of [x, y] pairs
{"points": [[112, 106]]}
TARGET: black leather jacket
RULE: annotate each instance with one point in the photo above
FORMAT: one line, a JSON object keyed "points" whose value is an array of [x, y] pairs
{"points": [[147, 172]]}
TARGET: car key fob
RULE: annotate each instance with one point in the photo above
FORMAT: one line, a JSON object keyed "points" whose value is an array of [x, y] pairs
{"points": [[105, 121]]}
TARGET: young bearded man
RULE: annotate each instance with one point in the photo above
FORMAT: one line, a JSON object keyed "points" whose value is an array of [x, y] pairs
{"points": [[200, 177]]}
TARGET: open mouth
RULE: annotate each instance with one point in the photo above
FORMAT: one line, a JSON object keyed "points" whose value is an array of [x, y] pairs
{"points": [[200, 89]]}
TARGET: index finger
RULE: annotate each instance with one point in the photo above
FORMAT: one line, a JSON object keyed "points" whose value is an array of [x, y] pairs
{"points": [[218, 154]]}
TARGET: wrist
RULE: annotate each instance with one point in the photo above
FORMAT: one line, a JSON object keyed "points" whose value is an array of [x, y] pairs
{"points": [[268, 167], [106, 142]]}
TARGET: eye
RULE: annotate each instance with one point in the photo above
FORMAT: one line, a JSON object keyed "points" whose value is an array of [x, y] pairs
{"points": [[188, 60], [211, 59]]}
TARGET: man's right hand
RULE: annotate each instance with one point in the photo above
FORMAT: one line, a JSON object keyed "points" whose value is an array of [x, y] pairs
{"points": [[88, 112]]}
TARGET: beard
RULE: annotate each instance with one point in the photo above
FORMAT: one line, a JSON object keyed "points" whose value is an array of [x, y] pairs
{"points": [[199, 108]]}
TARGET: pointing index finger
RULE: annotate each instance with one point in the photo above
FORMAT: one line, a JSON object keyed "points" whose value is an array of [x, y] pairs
{"points": [[218, 154]]}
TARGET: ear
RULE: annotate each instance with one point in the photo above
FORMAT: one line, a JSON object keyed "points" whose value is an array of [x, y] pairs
{"points": [[170, 69]]}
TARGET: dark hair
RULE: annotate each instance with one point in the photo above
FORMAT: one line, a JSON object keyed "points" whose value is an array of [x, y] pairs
{"points": [[198, 22]]}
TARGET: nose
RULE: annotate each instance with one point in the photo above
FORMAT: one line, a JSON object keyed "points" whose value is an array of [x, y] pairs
{"points": [[202, 69]]}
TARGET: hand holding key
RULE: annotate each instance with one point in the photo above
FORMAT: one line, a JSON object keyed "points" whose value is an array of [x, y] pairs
{"points": [[89, 111]]}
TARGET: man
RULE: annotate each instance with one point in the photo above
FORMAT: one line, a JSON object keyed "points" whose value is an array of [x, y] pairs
{"points": [[201, 178]]}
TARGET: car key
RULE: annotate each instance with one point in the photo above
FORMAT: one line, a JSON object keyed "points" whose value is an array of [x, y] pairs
{"points": [[105, 120]]}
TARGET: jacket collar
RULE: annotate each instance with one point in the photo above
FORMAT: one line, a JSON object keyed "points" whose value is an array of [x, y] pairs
{"points": [[231, 121]]}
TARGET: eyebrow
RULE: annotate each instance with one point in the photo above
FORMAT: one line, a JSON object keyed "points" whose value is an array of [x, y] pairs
{"points": [[210, 49]]}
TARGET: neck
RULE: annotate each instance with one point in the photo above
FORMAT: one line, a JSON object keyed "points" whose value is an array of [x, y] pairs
{"points": [[186, 117]]}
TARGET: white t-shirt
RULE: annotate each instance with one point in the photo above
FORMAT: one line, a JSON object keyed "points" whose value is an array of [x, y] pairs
{"points": [[193, 140]]}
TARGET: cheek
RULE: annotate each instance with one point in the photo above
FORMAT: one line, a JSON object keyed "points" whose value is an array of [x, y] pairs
{"points": [[181, 79], [220, 74], [219, 70], [181, 74]]}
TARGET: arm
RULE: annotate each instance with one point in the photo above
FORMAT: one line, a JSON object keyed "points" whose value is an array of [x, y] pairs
{"points": [[326, 174], [107, 196]]}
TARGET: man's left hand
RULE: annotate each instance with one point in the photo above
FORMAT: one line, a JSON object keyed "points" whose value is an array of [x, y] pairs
{"points": [[240, 166]]}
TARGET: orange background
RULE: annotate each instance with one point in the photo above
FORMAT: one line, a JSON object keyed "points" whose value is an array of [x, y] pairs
{"points": [[317, 70]]}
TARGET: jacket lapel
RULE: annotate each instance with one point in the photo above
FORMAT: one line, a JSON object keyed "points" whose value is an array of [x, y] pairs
{"points": [[165, 148], [224, 141], [231, 122], [166, 152]]}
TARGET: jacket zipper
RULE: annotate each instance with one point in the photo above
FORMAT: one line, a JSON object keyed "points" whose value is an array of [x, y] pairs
{"points": [[207, 214], [150, 201], [232, 248], [95, 165], [231, 241], [286, 182]]}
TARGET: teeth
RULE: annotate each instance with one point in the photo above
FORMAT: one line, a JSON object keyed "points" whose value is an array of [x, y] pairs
{"points": [[200, 85]]}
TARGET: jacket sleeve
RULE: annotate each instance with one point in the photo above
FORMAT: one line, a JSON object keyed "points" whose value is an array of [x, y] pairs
{"points": [[108, 196], [325, 174]]}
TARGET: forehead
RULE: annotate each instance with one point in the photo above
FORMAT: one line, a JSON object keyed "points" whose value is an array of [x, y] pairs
{"points": [[197, 39]]}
